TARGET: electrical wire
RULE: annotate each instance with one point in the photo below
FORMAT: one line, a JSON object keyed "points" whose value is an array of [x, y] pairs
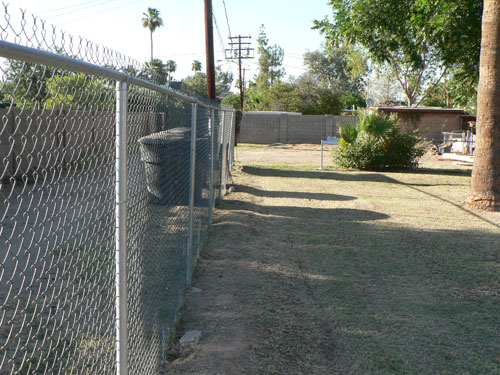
{"points": [[220, 39], [218, 31], [92, 5], [101, 12], [69, 6], [227, 18]]}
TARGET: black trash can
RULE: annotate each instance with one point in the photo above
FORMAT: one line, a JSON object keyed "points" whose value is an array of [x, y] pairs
{"points": [[201, 175], [166, 158]]}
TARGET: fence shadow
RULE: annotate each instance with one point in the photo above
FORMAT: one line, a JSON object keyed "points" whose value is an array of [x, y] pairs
{"points": [[292, 194], [348, 175], [344, 176], [337, 214]]}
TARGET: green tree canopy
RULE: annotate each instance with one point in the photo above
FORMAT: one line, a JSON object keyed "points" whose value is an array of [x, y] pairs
{"points": [[270, 61], [196, 66], [26, 84], [420, 39], [198, 82], [170, 67], [303, 95], [339, 69], [156, 71]]}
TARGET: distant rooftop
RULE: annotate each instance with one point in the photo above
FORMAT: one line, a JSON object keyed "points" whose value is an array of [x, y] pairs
{"points": [[421, 109], [271, 113]]}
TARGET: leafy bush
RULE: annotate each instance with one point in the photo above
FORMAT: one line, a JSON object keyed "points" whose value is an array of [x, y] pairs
{"points": [[375, 124], [376, 143], [352, 99], [349, 133]]}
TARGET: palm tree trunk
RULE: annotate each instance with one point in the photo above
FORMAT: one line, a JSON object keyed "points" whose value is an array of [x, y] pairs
{"points": [[151, 33], [485, 186]]}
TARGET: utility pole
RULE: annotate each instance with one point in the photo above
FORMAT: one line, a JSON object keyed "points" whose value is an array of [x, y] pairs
{"points": [[242, 51], [243, 88], [209, 46]]}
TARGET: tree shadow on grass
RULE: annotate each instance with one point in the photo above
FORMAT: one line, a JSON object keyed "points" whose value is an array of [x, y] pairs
{"points": [[440, 171], [292, 194], [349, 175], [369, 177], [378, 299], [344, 176]]}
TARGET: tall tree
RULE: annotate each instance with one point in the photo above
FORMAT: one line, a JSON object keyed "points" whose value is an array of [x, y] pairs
{"points": [[485, 185], [414, 37], [338, 69], [198, 81], [157, 71], [270, 61], [196, 66], [152, 21], [170, 67]]}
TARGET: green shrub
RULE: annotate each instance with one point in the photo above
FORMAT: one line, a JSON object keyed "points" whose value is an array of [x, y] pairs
{"points": [[375, 124], [378, 144], [349, 133]]}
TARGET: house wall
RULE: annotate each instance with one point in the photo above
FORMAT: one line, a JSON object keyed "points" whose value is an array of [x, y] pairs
{"points": [[431, 122]]}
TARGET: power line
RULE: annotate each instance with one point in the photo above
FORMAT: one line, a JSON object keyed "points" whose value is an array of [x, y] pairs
{"points": [[293, 57], [220, 37], [234, 54], [227, 19], [101, 12], [92, 5], [286, 66], [69, 6], [218, 31]]}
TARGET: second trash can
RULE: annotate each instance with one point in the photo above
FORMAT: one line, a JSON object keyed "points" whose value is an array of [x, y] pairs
{"points": [[166, 158]]}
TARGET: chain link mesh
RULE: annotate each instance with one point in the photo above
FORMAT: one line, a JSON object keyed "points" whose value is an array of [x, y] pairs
{"points": [[57, 207]]}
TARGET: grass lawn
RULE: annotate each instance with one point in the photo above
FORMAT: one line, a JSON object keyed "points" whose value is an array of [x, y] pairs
{"points": [[348, 272]]}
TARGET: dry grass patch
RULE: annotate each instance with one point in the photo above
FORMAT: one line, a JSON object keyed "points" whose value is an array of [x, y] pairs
{"points": [[346, 272]]}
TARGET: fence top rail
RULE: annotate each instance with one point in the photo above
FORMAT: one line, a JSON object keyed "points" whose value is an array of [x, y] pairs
{"points": [[37, 56]]}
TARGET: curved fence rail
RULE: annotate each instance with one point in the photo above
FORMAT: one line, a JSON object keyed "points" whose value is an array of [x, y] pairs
{"points": [[108, 182]]}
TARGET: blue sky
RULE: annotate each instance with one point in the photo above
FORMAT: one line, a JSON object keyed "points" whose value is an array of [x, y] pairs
{"points": [[117, 24]]}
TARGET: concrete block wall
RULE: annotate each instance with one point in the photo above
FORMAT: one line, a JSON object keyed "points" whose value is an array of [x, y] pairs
{"points": [[275, 127], [261, 128], [42, 140]]}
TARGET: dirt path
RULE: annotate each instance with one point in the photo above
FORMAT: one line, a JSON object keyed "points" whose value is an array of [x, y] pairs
{"points": [[256, 294]]}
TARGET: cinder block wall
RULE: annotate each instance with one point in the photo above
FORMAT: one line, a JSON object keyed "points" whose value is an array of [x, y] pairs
{"points": [[275, 127], [267, 128], [36, 140]]}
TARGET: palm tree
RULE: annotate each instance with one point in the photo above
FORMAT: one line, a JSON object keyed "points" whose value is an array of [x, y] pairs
{"points": [[485, 185], [170, 67], [152, 20], [196, 66], [157, 71]]}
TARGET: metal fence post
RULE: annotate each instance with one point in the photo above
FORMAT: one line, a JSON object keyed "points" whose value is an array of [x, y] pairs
{"points": [[121, 229], [192, 182], [221, 154], [232, 132], [212, 159]]}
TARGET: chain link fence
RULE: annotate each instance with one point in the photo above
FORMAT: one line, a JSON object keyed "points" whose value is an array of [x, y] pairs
{"points": [[108, 182]]}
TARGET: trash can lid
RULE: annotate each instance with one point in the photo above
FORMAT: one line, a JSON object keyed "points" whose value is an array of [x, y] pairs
{"points": [[162, 138], [179, 130]]}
